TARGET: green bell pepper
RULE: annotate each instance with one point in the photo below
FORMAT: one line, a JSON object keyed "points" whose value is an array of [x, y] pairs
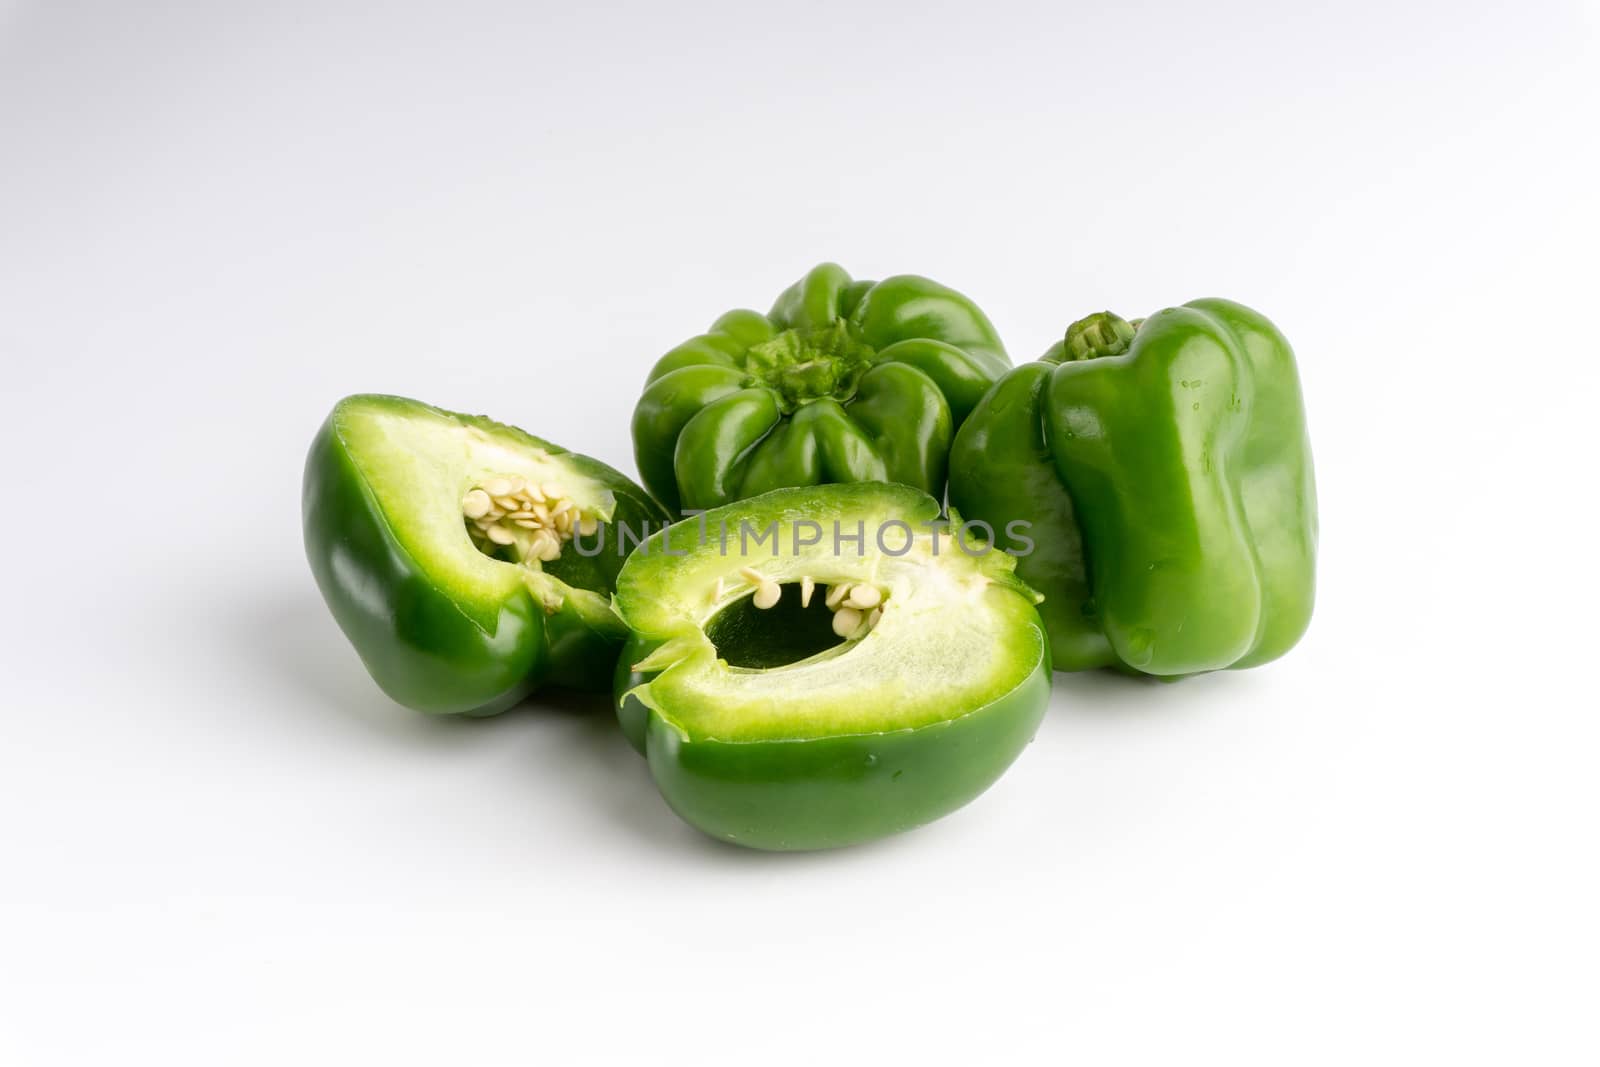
{"points": [[468, 562], [793, 687], [842, 381], [1164, 472]]}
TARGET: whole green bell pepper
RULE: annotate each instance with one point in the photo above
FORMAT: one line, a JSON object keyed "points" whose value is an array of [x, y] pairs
{"points": [[1164, 472], [820, 666], [468, 562], [842, 381]]}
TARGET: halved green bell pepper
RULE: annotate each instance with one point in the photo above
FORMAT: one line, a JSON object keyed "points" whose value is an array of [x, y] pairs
{"points": [[1164, 473], [842, 381], [444, 545], [769, 722]]}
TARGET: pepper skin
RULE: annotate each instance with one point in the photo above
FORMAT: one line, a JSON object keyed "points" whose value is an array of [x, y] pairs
{"points": [[842, 381], [1165, 470], [441, 625], [851, 741]]}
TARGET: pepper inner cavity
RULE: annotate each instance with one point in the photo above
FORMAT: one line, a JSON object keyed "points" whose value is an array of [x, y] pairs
{"points": [[530, 519], [856, 606], [746, 635]]}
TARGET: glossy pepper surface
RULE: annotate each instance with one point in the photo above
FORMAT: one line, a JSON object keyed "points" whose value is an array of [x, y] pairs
{"points": [[842, 381], [423, 529], [869, 693], [1165, 471]]}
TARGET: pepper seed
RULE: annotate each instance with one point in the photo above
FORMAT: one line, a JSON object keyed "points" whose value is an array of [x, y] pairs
{"points": [[845, 621], [864, 596]]}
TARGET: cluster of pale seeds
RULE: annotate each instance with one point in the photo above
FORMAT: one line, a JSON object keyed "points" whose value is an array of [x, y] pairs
{"points": [[507, 510], [856, 607]]}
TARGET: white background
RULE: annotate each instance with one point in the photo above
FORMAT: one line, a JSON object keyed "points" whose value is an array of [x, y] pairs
{"points": [[221, 844]]}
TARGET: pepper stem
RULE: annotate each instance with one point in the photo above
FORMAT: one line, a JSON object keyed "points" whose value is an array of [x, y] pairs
{"points": [[803, 365], [1100, 334]]}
